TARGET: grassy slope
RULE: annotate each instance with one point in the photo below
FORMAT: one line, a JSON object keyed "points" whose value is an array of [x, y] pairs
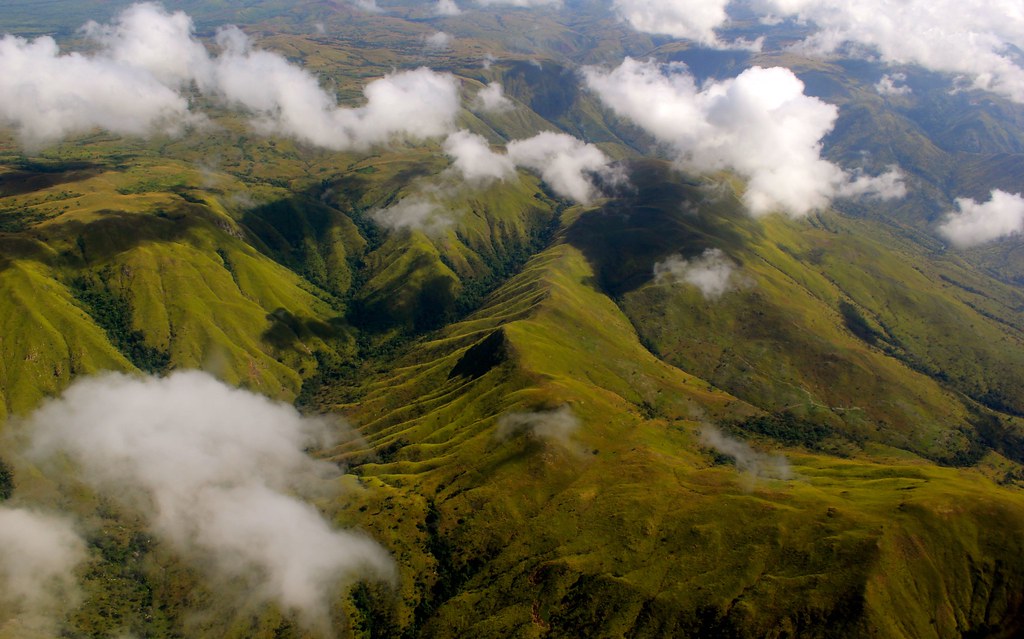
{"points": [[628, 529], [47, 338], [647, 536], [180, 269], [781, 340]]}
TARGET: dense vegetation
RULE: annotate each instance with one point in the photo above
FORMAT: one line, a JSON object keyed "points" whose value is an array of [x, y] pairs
{"points": [[870, 381]]}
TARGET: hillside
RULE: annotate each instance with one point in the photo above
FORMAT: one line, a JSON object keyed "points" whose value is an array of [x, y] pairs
{"points": [[522, 364]]}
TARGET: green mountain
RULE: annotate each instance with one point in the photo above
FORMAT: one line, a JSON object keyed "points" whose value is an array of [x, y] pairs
{"points": [[552, 439]]}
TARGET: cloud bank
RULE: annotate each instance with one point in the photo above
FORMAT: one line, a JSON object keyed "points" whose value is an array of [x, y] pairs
{"points": [[47, 96], [975, 223], [759, 124], [214, 471], [712, 272], [147, 61], [975, 38], [38, 557], [980, 39], [146, 37]]}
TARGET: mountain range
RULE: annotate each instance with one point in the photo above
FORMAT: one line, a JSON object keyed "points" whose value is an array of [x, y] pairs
{"points": [[488, 320]]}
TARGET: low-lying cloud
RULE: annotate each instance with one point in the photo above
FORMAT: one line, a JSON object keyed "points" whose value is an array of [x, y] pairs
{"points": [[884, 186], [893, 84], [975, 223], [520, 3], [688, 19], [756, 464], [439, 41], [214, 471], [979, 39], [147, 60], [564, 162], [491, 99], [474, 160], [287, 100], [568, 165], [556, 425], [420, 212], [146, 37], [47, 96], [975, 38], [759, 124], [712, 272], [447, 8], [369, 6], [39, 553]]}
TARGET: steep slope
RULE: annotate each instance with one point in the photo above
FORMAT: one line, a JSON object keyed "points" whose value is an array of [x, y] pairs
{"points": [[189, 268], [169, 279], [48, 339], [627, 525], [553, 440], [820, 319]]}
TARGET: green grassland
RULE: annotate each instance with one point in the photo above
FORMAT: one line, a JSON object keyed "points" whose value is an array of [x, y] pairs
{"points": [[885, 369], [630, 528]]}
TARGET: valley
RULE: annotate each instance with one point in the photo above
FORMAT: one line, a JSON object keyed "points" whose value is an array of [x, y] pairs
{"points": [[571, 386]]}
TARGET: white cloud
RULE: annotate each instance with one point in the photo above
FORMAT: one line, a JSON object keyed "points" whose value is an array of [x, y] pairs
{"points": [[520, 3], [134, 84], [447, 8], [970, 37], [47, 96], [148, 37], [553, 425], [892, 84], [886, 186], [214, 470], [713, 272], [369, 6], [439, 40], [38, 557], [689, 19], [417, 212], [475, 161], [758, 124], [753, 463], [975, 223], [564, 162], [416, 104], [492, 99]]}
